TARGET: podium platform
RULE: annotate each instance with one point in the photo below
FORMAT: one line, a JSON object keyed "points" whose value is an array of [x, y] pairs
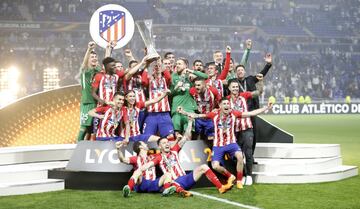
{"points": [[34, 169]]}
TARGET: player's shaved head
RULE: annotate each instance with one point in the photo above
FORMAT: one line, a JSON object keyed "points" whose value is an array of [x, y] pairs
{"points": [[108, 60]]}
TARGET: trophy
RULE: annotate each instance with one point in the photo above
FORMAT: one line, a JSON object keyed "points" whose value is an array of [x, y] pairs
{"points": [[145, 29]]}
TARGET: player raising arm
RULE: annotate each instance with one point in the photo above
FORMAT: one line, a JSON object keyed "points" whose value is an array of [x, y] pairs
{"points": [[225, 141], [169, 163], [89, 67]]}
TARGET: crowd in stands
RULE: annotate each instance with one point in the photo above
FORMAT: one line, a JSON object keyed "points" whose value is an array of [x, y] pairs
{"points": [[315, 45]]}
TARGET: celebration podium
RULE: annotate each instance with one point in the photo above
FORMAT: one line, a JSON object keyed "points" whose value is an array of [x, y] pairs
{"points": [[35, 169], [28, 166]]}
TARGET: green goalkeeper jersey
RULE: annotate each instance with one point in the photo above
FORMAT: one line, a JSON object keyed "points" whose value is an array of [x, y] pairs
{"points": [[87, 76], [181, 96]]}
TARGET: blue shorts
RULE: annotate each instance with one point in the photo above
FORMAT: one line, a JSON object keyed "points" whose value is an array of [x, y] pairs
{"points": [[141, 119], [148, 186], [205, 126], [187, 181], [108, 138], [140, 137], [96, 123], [219, 152], [158, 122]]}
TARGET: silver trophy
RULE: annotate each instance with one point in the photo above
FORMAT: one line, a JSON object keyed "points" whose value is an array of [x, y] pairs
{"points": [[145, 29]]}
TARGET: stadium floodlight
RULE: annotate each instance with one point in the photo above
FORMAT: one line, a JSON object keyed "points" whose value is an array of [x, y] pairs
{"points": [[9, 86], [13, 72], [13, 76], [3, 79], [51, 79]]}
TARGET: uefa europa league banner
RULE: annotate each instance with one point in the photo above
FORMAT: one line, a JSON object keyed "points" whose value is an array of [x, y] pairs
{"points": [[112, 23], [98, 156]]}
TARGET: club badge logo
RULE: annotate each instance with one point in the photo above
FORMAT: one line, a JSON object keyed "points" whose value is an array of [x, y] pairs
{"points": [[112, 23]]}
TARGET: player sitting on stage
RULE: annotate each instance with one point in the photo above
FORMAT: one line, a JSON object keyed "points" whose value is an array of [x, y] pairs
{"points": [[144, 179], [225, 140], [169, 163]]}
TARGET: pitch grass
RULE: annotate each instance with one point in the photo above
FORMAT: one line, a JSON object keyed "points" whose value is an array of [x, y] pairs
{"points": [[335, 129]]}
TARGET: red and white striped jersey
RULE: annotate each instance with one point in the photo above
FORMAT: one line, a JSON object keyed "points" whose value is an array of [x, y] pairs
{"points": [[170, 163], [106, 84], [224, 127], [133, 117], [112, 118], [138, 161], [240, 104], [218, 84], [207, 101], [135, 84], [156, 88]]}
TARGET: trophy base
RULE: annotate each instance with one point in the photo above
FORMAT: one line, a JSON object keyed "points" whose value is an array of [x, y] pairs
{"points": [[153, 57]]}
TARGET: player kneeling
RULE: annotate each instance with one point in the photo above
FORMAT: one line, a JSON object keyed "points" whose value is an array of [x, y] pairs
{"points": [[144, 177]]}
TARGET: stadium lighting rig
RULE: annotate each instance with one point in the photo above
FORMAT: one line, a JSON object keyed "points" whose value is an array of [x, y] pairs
{"points": [[9, 86]]}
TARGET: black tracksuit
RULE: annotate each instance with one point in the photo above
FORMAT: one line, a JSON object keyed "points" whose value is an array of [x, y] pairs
{"points": [[248, 140]]}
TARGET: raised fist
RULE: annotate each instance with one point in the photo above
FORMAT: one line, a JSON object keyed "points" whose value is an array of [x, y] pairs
{"points": [[228, 49], [268, 58], [91, 45], [260, 76], [248, 44], [128, 53], [112, 44]]}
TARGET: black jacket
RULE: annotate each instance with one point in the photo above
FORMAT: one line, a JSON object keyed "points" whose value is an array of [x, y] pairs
{"points": [[250, 86]]}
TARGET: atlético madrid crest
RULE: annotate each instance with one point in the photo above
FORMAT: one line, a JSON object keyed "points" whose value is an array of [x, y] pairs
{"points": [[112, 23]]}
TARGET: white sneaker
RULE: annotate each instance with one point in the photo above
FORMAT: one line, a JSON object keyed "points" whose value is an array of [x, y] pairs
{"points": [[248, 181], [243, 180]]}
